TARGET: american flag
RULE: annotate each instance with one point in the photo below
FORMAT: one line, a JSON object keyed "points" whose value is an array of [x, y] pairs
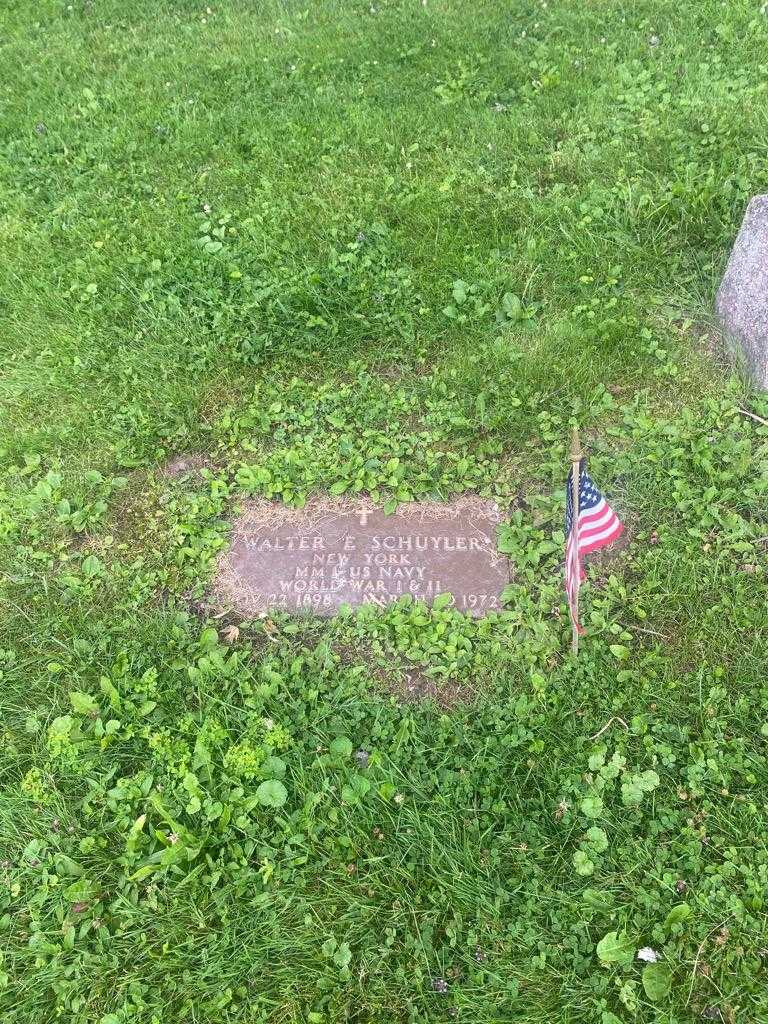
{"points": [[598, 526]]}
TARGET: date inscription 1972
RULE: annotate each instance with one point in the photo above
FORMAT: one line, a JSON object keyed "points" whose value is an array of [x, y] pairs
{"points": [[335, 552]]}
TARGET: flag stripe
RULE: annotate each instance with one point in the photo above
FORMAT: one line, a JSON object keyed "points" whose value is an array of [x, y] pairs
{"points": [[588, 515], [603, 539], [595, 537], [596, 522]]}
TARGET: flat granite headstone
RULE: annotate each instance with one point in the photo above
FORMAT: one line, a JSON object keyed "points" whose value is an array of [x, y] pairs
{"points": [[340, 551], [742, 300]]}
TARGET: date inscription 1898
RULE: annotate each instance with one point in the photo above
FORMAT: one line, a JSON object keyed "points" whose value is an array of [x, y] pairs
{"points": [[341, 552]]}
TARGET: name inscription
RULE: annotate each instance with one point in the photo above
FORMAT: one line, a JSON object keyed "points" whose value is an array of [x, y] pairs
{"points": [[334, 553]]}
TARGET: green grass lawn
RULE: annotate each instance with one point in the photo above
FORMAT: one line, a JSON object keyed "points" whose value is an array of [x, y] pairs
{"points": [[401, 248]]}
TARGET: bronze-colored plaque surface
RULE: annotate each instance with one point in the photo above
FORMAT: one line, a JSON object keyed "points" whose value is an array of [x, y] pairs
{"points": [[340, 551]]}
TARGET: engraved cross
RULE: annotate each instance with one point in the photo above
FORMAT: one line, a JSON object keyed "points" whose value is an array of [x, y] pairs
{"points": [[364, 513]]}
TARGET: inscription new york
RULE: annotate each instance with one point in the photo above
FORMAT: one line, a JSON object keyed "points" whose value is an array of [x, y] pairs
{"points": [[318, 559]]}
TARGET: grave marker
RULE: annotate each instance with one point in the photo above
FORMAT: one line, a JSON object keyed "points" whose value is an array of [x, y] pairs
{"points": [[336, 551], [742, 300]]}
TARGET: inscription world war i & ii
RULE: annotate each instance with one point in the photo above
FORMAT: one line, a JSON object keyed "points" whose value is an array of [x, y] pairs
{"points": [[338, 551]]}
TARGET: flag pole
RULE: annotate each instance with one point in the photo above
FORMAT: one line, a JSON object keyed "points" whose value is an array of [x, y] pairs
{"points": [[575, 480]]}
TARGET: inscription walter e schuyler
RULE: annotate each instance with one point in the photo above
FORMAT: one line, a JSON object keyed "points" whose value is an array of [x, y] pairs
{"points": [[335, 552]]}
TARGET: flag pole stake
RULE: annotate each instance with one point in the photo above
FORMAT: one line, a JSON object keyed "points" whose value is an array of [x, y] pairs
{"points": [[575, 480]]}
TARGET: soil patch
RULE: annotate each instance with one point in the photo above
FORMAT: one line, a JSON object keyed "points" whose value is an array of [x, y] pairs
{"points": [[180, 467], [409, 684], [413, 686]]}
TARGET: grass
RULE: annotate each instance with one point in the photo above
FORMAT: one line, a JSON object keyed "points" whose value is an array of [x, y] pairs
{"points": [[304, 241]]}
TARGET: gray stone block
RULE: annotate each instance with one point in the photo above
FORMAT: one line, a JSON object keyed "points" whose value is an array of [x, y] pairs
{"points": [[742, 299]]}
